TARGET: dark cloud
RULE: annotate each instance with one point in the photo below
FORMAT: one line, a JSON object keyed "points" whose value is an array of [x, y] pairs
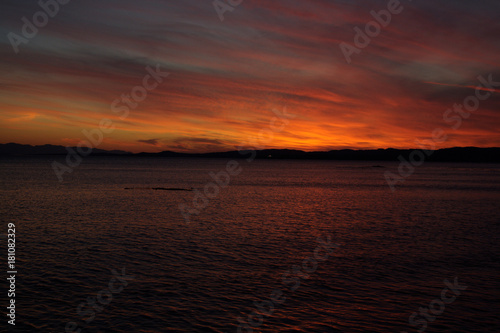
{"points": [[153, 142], [197, 140]]}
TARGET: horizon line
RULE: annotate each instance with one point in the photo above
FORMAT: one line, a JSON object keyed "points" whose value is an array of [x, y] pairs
{"points": [[250, 149]]}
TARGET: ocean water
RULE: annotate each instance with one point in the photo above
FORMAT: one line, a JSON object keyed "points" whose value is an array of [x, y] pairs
{"points": [[389, 253]]}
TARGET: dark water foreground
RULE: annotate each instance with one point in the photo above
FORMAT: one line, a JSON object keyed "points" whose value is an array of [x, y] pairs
{"points": [[287, 246]]}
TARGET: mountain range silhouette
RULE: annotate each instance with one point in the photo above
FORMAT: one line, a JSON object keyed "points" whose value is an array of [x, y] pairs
{"points": [[456, 154]]}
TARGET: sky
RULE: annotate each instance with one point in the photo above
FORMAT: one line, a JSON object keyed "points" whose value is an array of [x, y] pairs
{"points": [[225, 77]]}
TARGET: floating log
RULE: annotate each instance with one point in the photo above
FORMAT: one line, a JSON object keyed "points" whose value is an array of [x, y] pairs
{"points": [[159, 188]]}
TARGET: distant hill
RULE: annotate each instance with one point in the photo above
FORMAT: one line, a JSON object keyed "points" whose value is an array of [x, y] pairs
{"points": [[458, 154]]}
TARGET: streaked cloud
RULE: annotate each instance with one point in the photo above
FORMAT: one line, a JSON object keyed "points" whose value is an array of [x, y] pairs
{"points": [[226, 77]]}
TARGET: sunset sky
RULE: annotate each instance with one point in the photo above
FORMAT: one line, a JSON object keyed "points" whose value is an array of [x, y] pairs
{"points": [[227, 76]]}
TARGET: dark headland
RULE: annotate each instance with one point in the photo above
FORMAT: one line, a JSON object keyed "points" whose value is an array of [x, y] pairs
{"points": [[457, 154]]}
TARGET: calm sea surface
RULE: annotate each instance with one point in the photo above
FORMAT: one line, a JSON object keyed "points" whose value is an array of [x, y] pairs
{"points": [[394, 249]]}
